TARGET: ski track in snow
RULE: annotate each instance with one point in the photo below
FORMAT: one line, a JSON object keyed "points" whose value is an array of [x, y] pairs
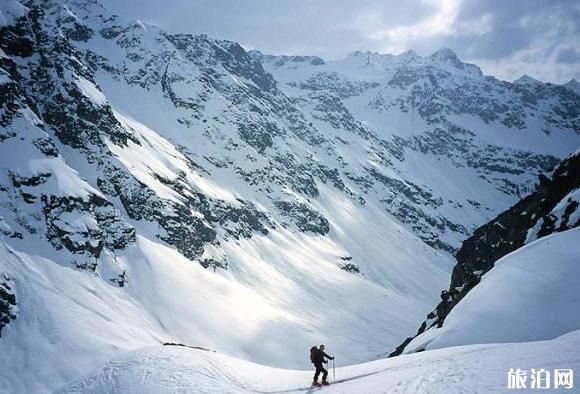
{"points": [[462, 369], [287, 284]]}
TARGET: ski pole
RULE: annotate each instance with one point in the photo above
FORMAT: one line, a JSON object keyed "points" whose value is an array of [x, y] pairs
{"points": [[333, 371]]}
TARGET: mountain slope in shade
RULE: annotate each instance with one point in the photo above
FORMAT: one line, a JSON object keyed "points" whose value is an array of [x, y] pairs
{"points": [[552, 208], [573, 85]]}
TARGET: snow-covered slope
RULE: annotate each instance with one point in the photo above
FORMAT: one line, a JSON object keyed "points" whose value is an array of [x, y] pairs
{"points": [[464, 369], [159, 186], [531, 294], [169, 173], [283, 295], [543, 308]]}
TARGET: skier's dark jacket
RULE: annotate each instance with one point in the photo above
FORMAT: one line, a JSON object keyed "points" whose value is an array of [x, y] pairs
{"points": [[318, 357]]}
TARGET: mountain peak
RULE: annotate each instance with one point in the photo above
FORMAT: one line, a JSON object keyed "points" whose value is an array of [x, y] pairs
{"points": [[573, 85], [358, 53], [527, 80], [410, 54], [444, 54]]}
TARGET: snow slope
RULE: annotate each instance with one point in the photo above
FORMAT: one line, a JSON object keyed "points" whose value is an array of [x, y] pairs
{"points": [[166, 187], [263, 310], [463, 369], [523, 314], [531, 294]]}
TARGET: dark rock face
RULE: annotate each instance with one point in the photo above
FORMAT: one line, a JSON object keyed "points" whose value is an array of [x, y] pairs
{"points": [[15, 40], [239, 62], [7, 301], [75, 31], [348, 265], [508, 231], [46, 146], [120, 280], [257, 135], [109, 230], [305, 218], [535, 216], [11, 97], [214, 264], [334, 82], [71, 112]]}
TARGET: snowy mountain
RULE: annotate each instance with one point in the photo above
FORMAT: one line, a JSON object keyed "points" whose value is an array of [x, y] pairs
{"points": [[447, 130], [162, 187], [552, 208]]}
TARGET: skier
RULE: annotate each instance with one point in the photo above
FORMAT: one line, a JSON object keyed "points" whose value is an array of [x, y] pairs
{"points": [[318, 357]]}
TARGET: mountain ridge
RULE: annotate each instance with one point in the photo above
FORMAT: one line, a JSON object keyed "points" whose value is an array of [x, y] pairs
{"points": [[179, 175]]}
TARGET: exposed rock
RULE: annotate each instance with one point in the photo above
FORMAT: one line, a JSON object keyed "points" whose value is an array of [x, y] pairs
{"points": [[305, 218], [8, 309]]}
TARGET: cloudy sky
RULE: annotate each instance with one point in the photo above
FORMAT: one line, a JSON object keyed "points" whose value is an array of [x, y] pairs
{"points": [[506, 38]]}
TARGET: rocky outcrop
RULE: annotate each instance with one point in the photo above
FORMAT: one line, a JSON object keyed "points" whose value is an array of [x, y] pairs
{"points": [[85, 225], [7, 301], [304, 217], [510, 230]]}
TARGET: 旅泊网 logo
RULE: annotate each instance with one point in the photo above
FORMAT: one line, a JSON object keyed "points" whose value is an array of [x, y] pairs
{"points": [[540, 378]]}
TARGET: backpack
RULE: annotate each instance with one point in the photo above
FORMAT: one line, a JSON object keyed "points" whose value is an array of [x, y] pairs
{"points": [[313, 354]]}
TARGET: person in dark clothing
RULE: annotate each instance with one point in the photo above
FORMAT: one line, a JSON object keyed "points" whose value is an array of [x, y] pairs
{"points": [[318, 357]]}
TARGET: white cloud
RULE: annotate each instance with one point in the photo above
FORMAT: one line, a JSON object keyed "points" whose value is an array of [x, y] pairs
{"points": [[439, 23]]}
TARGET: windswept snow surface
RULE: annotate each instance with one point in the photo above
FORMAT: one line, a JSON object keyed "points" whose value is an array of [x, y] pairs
{"points": [[531, 294], [463, 369]]}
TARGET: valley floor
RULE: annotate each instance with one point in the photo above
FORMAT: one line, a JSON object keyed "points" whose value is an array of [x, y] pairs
{"points": [[462, 369]]}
